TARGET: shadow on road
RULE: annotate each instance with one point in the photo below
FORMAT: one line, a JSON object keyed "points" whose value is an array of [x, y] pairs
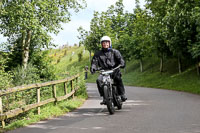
{"points": [[68, 120]]}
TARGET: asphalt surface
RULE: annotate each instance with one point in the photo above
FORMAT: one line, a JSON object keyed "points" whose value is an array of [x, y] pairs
{"points": [[147, 110]]}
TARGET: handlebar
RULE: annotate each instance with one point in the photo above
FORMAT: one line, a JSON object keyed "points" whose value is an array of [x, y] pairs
{"points": [[108, 71]]}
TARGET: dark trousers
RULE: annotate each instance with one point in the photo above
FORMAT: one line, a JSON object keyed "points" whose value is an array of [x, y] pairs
{"points": [[117, 80]]}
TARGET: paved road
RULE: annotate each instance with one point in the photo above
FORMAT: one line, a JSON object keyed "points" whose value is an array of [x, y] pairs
{"points": [[147, 110]]}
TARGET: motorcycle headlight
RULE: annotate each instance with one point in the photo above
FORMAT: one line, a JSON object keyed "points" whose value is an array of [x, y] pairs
{"points": [[104, 78]]}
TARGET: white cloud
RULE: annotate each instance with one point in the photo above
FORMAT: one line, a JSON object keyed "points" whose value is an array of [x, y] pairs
{"points": [[70, 33]]}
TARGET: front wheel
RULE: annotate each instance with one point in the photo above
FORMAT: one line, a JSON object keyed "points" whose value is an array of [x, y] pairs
{"points": [[109, 99]]}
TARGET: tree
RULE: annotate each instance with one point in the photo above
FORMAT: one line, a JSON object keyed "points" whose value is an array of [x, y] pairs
{"points": [[179, 28], [158, 11], [99, 26], [28, 19], [110, 23], [141, 42], [194, 43], [115, 14]]}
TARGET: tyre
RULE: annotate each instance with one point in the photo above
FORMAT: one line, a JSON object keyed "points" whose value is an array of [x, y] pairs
{"points": [[117, 99], [109, 100], [119, 103]]}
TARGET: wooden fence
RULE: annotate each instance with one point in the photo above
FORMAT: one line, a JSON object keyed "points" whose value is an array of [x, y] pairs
{"points": [[37, 86]]}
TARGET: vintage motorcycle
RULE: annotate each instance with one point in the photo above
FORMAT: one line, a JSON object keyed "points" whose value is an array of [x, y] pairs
{"points": [[111, 95]]}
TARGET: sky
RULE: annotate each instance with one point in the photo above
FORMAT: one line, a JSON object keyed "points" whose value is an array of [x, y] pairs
{"points": [[69, 33]]}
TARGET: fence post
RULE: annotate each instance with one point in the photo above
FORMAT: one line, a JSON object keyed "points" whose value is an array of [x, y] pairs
{"points": [[54, 93], [77, 82], [65, 88], [38, 99], [72, 88], [86, 72], [1, 111]]}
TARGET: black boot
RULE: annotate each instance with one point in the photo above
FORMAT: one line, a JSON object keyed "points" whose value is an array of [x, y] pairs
{"points": [[103, 102], [124, 98]]}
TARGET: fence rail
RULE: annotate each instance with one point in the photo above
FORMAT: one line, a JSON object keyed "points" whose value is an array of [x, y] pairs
{"points": [[38, 86]]}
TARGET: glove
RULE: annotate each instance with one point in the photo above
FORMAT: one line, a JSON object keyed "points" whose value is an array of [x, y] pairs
{"points": [[122, 65], [92, 70]]}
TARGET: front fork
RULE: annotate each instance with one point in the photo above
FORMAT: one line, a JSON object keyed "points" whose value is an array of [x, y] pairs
{"points": [[110, 91], [108, 83]]}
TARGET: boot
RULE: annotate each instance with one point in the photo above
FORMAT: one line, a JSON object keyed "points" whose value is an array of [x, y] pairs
{"points": [[123, 97], [103, 102]]}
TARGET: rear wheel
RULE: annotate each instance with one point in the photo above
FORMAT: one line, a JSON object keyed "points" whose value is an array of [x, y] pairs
{"points": [[119, 103], [109, 100]]}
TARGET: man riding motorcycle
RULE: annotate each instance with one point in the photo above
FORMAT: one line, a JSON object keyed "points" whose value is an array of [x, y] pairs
{"points": [[107, 59]]}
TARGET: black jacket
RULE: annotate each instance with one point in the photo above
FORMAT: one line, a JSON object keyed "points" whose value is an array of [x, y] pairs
{"points": [[107, 59]]}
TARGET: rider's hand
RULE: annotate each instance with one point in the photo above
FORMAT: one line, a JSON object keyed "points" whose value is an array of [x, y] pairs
{"points": [[122, 66], [92, 70]]}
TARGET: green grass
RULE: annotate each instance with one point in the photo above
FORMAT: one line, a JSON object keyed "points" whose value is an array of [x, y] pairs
{"points": [[187, 81], [65, 65]]}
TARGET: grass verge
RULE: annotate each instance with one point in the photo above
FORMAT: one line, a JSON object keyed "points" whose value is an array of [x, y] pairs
{"points": [[48, 111]]}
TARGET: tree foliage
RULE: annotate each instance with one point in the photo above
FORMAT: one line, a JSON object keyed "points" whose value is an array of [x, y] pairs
{"points": [[5, 77]]}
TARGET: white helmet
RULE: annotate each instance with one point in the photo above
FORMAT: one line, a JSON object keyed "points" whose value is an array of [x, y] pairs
{"points": [[106, 38]]}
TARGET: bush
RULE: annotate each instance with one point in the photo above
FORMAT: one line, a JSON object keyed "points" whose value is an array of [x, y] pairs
{"points": [[25, 76], [81, 82], [42, 62], [5, 77], [58, 60], [81, 92], [80, 56], [65, 53], [70, 59]]}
